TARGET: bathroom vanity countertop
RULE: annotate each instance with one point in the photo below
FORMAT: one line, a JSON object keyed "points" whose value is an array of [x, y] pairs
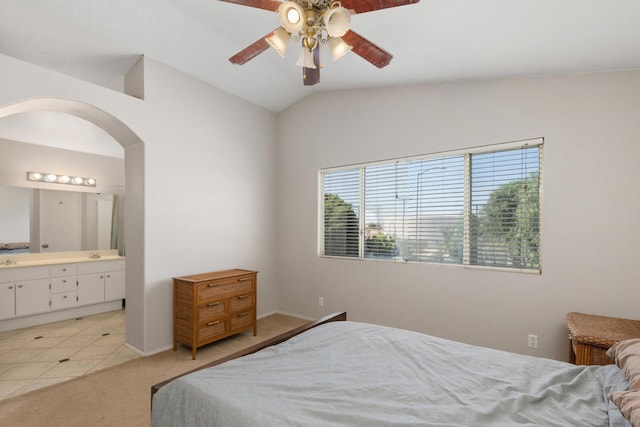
{"points": [[35, 260]]}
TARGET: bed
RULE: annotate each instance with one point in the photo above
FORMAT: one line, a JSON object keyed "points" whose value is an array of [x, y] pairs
{"points": [[339, 373]]}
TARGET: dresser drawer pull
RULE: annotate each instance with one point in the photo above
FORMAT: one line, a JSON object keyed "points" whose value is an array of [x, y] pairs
{"points": [[246, 279], [246, 313], [213, 285], [213, 304], [243, 296], [217, 322]]}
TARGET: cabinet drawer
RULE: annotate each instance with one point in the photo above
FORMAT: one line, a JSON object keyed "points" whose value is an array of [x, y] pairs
{"points": [[242, 302], [221, 288], [211, 310], [242, 320], [63, 270], [212, 329], [65, 300], [63, 284], [21, 274]]}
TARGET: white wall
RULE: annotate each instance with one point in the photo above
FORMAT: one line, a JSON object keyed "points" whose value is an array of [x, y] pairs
{"points": [[200, 188], [61, 130], [209, 188], [14, 214], [19, 157], [590, 203]]}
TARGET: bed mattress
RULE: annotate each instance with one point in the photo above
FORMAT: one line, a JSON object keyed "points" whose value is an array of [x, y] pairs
{"points": [[357, 374]]}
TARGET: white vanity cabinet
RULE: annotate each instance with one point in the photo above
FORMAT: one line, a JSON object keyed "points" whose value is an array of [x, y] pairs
{"points": [[32, 297], [30, 290], [7, 300], [36, 294], [64, 286], [90, 288], [101, 281], [114, 285]]}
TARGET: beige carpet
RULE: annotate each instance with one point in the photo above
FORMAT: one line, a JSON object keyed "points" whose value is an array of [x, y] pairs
{"points": [[120, 396]]}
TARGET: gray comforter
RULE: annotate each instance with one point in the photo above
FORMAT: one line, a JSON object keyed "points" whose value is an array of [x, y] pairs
{"points": [[356, 374]]}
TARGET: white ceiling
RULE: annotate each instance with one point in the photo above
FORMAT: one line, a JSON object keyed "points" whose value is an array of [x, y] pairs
{"points": [[432, 41]]}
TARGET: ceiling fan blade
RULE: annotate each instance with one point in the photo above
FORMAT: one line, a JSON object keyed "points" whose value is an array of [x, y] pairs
{"points": [[251, 51], [367, 50], [271, 5], [362, 6], [311, 76]]}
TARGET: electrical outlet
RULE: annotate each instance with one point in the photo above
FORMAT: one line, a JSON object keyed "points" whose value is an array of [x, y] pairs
{"points": [[533, 341], [321, 301]]}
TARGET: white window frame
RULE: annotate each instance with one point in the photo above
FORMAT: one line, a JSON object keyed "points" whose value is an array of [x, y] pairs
{"points": [[467, 153]]}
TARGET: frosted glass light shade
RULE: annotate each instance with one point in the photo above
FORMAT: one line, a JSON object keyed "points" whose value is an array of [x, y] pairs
{"points": [[292, 16], [306, 59], [338, 48], [279, 40], [337, 21]]}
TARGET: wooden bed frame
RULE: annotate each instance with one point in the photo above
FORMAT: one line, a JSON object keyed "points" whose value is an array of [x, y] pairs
{"points": [[335, 317]]}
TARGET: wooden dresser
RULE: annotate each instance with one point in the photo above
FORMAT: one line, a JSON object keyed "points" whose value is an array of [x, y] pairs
{"points": [[211, 306]]}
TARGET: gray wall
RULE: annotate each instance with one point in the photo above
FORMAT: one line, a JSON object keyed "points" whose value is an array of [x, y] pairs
{"points": [[590, 204]]}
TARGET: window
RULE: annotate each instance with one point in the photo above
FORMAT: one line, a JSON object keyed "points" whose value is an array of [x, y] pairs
{"points": [[474, 207]]}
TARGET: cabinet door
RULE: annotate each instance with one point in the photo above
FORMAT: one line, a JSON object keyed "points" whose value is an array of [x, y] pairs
{"points": [[114, 285], [7, 300], [90, 289], [32, 297]]}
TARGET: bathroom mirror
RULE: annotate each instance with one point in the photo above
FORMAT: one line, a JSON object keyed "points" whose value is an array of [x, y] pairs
{"points": [[39, 221]]}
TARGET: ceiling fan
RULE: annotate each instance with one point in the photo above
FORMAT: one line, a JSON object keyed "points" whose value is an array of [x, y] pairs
{"points": [[313, 23]]}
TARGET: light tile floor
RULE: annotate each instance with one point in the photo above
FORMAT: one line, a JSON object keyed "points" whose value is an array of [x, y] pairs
{"points": [[43, 355]]}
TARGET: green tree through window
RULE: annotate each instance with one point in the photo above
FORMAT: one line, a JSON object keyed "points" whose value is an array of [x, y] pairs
{"points": [[341, 237]]}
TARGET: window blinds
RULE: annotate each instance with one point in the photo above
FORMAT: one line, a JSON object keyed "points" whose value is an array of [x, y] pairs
{"points": [[474, 207]]}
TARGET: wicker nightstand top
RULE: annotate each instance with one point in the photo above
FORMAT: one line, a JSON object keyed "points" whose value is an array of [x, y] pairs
{"points": [[601, 331]]}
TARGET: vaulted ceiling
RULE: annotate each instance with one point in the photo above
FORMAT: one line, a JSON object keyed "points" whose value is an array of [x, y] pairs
{"points": [[432, 41]]}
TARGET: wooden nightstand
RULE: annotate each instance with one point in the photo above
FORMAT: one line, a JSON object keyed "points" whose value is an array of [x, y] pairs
{"points": [[590, 336]]}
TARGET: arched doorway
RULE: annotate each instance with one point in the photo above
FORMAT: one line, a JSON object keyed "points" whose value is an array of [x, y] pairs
{"points": [[134, 186]]}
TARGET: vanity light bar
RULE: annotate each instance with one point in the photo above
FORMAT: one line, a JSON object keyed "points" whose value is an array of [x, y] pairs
{"points": [[60, 179]]}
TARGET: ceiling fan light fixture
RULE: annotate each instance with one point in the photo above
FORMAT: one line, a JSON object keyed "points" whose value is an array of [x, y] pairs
{"points": [[309, 43], [279, 40], [292, 16], [306, 58], [338, 48], [336, 21]]}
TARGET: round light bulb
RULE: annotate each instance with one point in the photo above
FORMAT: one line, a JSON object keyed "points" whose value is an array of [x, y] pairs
{"points": [[64, 179], [91, 181], [36, 176], [77, 180], [51, 177], [293, 16]]}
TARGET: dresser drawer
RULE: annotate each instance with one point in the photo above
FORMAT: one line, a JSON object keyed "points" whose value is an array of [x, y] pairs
{"points": [[223, 288], [211, 330], [63, 284], [211, 310], [242, 302], [242, 320]]}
